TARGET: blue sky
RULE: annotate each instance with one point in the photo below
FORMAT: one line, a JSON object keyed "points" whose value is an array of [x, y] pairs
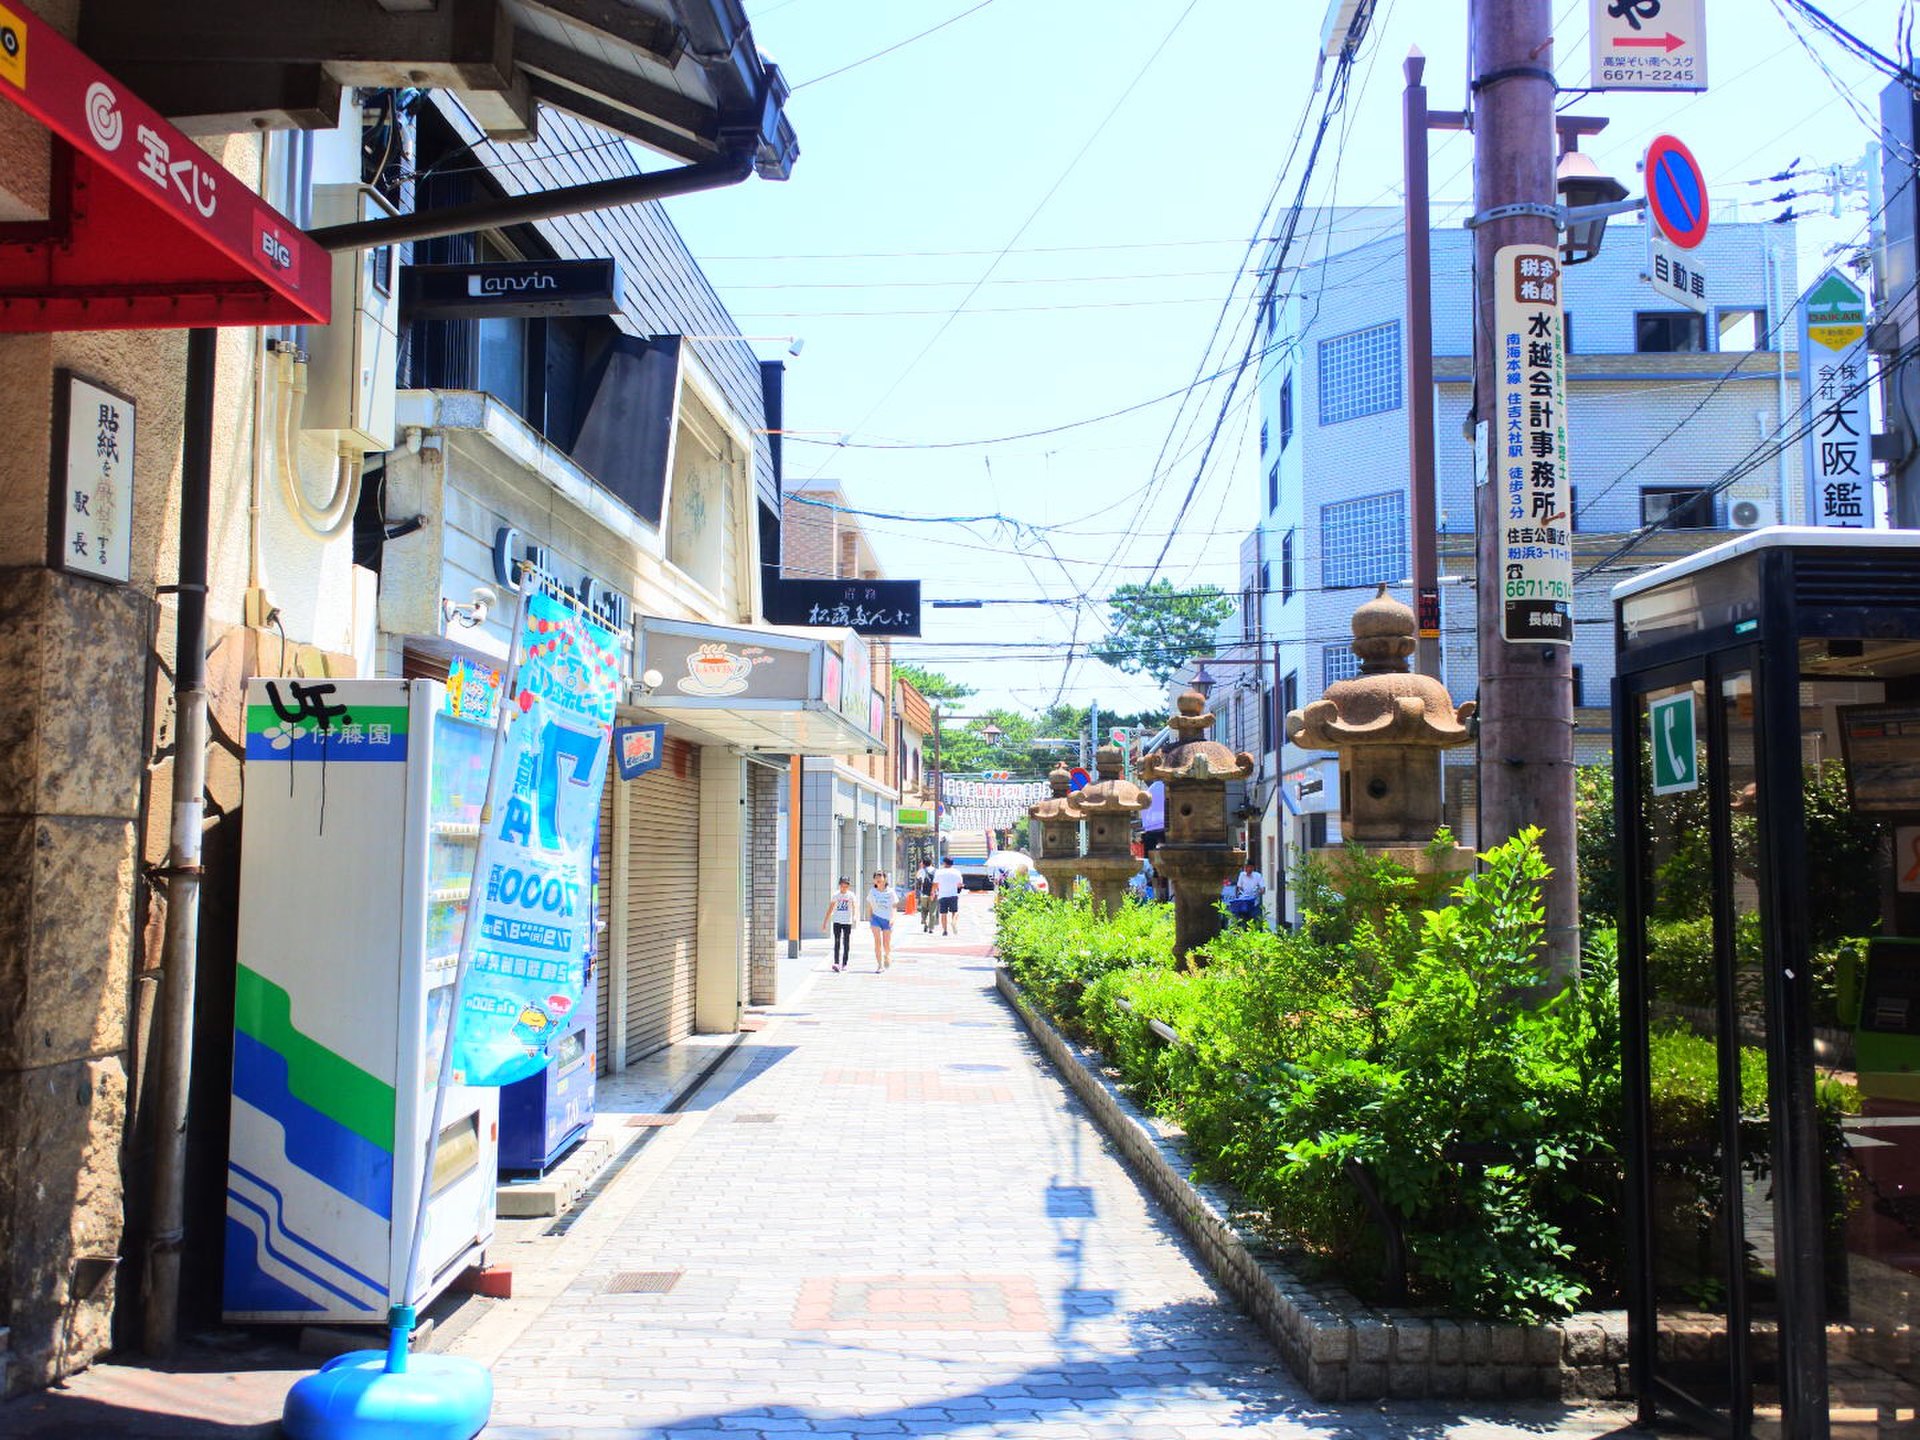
{"points": [[1096, 168]]}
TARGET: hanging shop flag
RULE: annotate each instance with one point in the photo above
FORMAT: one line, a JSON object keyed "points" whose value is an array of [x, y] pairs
{"points": [[638, 749], [1833, 395], [1530, 447], [535, 867]]}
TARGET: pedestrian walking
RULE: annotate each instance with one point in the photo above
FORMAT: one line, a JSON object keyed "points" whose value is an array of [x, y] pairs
{"points": [[843, 910], [924, 889], [880, 916], [946, 884]]}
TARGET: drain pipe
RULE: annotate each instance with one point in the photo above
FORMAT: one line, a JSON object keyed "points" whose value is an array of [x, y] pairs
{"points": [[174, 1032]]}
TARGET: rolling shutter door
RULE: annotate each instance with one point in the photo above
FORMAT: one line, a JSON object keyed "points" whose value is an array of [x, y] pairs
{"points": [[603, 928], [663, 895]]}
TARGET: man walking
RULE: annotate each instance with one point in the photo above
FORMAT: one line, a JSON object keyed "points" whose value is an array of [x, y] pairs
{"points": [[946, 882], [923, 887]]}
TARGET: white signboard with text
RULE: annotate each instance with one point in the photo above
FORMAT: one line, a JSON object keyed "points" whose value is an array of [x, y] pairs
{"points": [[90, 529], [1648, 44], [1833, 400], [1529, 463]]}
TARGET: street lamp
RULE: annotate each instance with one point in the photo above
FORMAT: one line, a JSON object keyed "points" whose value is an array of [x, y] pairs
{"points": [[1203, 681], [1589, 198]]}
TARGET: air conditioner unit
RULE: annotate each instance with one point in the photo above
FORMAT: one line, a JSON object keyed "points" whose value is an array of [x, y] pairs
{"points": [[352, 364], [1744, 514]]}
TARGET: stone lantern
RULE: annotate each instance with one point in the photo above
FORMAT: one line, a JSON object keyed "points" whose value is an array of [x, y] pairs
{"points": [[1109, 806], [1056, 834], [1196, 855], [1388, 726]]}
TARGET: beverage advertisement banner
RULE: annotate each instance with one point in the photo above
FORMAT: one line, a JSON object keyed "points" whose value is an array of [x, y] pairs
{"points": [[1833, 395], [1530, 448], [535, 868]]}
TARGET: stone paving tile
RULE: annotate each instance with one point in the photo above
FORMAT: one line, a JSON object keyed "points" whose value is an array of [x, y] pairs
{"points": [[932, 1239]]}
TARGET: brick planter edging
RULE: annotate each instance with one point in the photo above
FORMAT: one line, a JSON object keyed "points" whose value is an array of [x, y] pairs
{"points": [[1336, 1345]]}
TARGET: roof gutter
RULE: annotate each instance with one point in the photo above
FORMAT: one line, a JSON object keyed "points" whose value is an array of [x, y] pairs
{"points": [[494, 214]]}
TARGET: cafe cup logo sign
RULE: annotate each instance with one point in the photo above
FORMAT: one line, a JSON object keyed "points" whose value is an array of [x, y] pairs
{"points": [[714, 670]]}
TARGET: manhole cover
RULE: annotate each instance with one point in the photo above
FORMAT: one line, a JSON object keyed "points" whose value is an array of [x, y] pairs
{"points": [[642, 1122], [1070, 1202], [974, 1066], [755, 1119], [642, 1282]]}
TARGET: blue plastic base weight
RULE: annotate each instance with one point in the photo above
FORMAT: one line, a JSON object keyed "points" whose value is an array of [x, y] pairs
{"points": [[356, 1397]]}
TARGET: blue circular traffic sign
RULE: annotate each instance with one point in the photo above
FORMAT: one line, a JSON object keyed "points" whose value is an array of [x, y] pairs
{"points": [[1676, 192]]}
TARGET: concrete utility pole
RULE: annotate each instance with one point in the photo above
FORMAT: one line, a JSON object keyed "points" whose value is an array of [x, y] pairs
{"points": [[1422, 513], [1526, 690]]}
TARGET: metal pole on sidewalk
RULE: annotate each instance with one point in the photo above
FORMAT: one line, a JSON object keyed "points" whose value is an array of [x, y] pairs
{"points": [[1526, 690], [1423, 511], [174, 1033]]}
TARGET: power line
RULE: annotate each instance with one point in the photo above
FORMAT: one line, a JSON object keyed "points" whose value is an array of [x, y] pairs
{"points": [[897, 45]]}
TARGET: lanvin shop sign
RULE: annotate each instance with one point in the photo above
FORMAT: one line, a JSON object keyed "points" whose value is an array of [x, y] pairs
{"points": [[510, 288]]}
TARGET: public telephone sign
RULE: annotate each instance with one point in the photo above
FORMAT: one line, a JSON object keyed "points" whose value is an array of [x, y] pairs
{"points": [[1676, 756], [1648, 44]]}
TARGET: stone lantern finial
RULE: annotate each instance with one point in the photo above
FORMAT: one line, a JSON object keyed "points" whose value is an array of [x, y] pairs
{"points": [[1388, 725]]}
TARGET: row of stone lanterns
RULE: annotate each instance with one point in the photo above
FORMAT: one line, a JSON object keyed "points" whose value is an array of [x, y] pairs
{"points": [[1388, 725], [1196, 855]]}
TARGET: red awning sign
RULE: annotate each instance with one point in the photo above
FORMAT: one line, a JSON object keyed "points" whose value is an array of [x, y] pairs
{"points": [[147, 231]]}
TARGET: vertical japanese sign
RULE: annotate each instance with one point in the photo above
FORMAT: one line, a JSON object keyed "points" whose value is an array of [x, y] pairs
{"points": [[1530, 449], [90, 525], [534, 873], [1833, 393]]}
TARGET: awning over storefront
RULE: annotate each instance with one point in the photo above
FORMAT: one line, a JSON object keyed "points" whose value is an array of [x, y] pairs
{"points": [[143, 228], [752, 689]]}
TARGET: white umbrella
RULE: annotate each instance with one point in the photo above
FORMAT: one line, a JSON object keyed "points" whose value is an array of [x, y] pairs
{"points": [[1005, 862]]}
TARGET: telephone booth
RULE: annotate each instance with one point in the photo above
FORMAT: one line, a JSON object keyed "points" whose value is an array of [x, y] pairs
{"points": [[1767, 781]]}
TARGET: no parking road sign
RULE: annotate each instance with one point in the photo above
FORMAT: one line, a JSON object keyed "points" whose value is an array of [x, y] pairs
{"points": [[1676, 192]]}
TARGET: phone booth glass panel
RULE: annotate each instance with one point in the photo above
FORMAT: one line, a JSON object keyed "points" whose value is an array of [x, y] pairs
{"points": [[1767, 776]]}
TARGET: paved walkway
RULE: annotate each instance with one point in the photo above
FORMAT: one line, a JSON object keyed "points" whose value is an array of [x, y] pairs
{"points": [[885, 1216], [882, 1215]]}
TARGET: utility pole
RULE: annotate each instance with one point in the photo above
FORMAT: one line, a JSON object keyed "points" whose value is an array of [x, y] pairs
{"points": [[1526, 688], [939, 788], [1423, 512]]}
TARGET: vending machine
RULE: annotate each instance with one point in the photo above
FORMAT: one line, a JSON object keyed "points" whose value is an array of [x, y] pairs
{"points": [[363, 802]]}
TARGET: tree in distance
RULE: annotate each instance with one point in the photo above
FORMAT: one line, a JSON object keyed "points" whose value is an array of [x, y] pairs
{"points": [[1158, 629]]}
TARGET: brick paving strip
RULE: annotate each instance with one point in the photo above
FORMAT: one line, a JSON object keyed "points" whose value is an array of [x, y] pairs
{"points": [[930, 1238]]}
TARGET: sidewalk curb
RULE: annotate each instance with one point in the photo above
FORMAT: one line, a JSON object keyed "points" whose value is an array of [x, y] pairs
{"points": [[1336, 1346]]}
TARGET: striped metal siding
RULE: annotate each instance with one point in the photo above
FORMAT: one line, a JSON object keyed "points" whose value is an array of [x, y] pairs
{"points": [[603, 928], [663, 888]]}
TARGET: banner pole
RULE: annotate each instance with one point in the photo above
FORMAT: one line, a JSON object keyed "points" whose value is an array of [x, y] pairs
{"points": [[401, 1316]]}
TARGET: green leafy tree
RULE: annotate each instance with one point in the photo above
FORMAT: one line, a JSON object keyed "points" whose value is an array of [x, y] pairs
{"points": [[931, 683], [1158, 628]]}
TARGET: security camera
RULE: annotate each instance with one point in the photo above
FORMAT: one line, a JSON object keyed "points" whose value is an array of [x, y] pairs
{"points": [[474, 613]]}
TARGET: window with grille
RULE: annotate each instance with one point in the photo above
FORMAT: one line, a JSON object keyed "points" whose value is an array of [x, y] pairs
{"points": [[1286, 411], [1337, 662], [1364, 541], [1263, 437], [1286, 567], [1360, 373], [1273, 487]]}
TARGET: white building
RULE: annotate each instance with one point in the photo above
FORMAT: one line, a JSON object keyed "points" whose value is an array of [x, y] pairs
{"points": [[1662, 402]]}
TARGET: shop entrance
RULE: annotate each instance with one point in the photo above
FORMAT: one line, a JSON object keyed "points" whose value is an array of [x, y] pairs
{"points": [[1767, 772]]}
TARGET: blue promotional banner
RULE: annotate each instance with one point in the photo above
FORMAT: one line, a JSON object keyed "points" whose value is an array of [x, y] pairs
{"points": [[638, 749], [535, 868]]}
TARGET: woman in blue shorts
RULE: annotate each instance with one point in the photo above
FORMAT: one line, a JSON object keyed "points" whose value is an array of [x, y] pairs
{"points": [[880, 917]]}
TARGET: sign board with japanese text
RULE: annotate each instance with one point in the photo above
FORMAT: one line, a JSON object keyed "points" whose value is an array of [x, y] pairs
{"points": [[638, 749], [867, 607], [1833, 399], [1673, 274], [1529, 462], [90, 519], [154, 232], [1648, 44]]}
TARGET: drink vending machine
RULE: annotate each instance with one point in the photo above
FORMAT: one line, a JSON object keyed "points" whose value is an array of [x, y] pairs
{"points": [[363, 802]]}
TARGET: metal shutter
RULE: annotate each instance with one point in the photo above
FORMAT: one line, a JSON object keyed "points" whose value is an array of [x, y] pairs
{"points": [[663, 891], [603, 931]]}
